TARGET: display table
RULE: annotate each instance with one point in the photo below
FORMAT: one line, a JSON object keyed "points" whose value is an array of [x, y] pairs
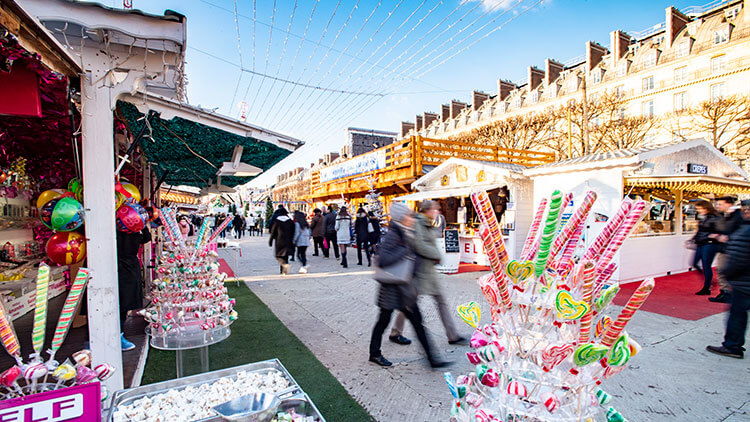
{"points": [[188, 340]]}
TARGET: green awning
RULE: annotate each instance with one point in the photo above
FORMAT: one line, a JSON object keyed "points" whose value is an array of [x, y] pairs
{"points": [[185, 148]]}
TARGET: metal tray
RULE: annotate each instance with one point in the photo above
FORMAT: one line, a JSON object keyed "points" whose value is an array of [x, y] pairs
{"points": [[302, 404], [125, 397]]}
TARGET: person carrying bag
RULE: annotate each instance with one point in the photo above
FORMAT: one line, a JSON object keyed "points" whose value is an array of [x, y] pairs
{"points": [[395, 268]]}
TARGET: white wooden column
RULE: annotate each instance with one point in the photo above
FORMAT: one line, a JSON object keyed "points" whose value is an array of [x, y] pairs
{"points": [[99, 191], [677, 211]]}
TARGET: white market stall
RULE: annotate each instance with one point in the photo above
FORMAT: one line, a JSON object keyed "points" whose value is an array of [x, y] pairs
{"points": [[452, 182], [665, 175]]}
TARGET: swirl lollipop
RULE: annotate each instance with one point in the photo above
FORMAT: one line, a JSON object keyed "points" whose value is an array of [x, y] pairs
{"points": [[64, 372], [9, 378], [33, 372], [85, 374]]}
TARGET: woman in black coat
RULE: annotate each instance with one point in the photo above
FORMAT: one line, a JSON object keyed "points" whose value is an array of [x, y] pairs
{"points": [[129, 280], [282, 232], [374, 231], [403, 297], [363, 236], [706, 245]]}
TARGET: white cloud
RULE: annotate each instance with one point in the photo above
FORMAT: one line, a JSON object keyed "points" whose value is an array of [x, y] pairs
{"points": [[494, 5]]}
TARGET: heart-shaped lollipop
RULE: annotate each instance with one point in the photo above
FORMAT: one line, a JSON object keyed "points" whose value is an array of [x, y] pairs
{"points": [[588, 353], [519, 271], [553, 355], [569, 308], [469, 313]]}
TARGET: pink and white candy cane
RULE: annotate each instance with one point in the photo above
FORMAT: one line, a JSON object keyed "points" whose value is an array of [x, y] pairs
{"points": [[564, 262], [572, 225], [634, 303], [603, 277], [218, 230], [633, 217], [608, 231], [515, 388], [487, 216], [497, 269], [534, 229], [588, 290]]}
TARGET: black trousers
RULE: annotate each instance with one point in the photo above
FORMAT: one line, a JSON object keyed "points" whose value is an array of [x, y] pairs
{"points": [[414, 317], [333, 243], [302, 255], [363, 244], [318, 242], [734, 339]]}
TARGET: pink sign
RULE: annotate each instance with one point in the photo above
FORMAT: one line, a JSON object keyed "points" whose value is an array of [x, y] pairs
{"points": [[80, 403]]}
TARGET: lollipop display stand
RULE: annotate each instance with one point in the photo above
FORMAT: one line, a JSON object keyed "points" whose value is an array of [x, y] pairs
{"points": [[189, 307], [551, 342]]}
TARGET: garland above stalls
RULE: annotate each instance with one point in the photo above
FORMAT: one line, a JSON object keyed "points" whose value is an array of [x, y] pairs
{"points": [[183, 148], [45, 142]]}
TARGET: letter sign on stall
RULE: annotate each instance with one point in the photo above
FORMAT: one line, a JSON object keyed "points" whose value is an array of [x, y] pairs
{"points": [[80, 403]]}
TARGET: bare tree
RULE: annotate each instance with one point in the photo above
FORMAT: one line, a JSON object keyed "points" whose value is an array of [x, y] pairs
{"points": [[725, 122]]}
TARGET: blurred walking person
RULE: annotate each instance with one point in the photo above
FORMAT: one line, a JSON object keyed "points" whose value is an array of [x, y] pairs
{"points": [[398, 246], [730, 219], [238, 224], [282, 232], [428, 254], [706, 245], [250, 224], [317, 227], [343, 233], [301, 239], [736, 269], [363, 236], [330, 230]]}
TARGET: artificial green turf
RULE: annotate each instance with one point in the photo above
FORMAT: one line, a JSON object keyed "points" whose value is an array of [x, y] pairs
{"points": [[258, 335]]}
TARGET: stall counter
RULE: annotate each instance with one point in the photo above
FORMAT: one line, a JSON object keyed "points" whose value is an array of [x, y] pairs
{"points": [[472, 249]]}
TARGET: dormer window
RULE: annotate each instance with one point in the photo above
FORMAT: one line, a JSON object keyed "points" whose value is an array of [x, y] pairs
{"points": [[535, 97], [682, 49], [517, 102], [572, 83], [650, 59], [596, 76], [622, 68], [721, 36]]}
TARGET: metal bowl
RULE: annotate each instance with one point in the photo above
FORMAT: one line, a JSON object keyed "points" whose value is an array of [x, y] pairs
{"points": [[257, 407]]}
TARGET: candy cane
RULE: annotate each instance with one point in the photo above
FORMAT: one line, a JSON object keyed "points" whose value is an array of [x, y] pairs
{"points": [[608, 231], [218, 230], [497, 269], [487, 216], [570, 248], [634, 303], [40, 308], [572, 225], [8, 336], [633, 217], [69, 307], [534, 229], [550, 227], [588, 289]]}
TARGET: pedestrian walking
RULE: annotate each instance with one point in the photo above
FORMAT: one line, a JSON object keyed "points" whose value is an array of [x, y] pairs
{"points": [[301, 239], [706, 245], [402, 297], [220, 217], [317, 227], [282, 232], [238, 225], [250, 224], [736, 269], [274, 215], [330, 228], [730, 219], [373, 231], [259, 225], [363, 236], [186, 229], [428, 254], [343, 233]]}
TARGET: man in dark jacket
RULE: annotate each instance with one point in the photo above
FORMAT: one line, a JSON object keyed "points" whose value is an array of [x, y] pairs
{"points": [[274, 215], [730, 219], [361, 225], [282, 232], [330, 230], [317, 228], [736, 269]]}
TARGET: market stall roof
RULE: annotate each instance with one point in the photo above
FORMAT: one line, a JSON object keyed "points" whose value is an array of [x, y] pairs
{"points": [[191, 143], [179, 197], [630, 157], [691, 183], [445, 193], [437, 172]]}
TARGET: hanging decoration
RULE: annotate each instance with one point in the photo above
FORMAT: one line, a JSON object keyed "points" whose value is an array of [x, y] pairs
{"points": [[550, 343]]}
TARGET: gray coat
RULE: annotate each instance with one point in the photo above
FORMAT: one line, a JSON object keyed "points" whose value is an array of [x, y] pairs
{"points": [[301, 236], [343, 230], [393, 248], [428, 255]]}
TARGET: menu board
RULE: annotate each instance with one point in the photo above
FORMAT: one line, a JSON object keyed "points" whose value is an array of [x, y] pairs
{"points": [[451, 241]]}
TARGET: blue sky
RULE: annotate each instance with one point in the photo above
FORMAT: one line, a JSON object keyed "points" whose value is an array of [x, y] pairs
{"points": [[391, 68]]}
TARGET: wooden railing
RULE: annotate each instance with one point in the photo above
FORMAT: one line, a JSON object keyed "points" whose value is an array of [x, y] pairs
{"points": [[405, 161]]}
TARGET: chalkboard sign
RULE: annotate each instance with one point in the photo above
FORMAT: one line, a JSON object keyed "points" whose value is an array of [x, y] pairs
{"points": [[451, 241]]}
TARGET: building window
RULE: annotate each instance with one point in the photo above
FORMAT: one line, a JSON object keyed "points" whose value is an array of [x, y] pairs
{"points": [[622, 68], [683, 49], [572, 83], [680, 101], [517, 102], [719, 64], [718, 91], [650, 59], [647, 109], [535, 97], [648, 83], [620, 91], [721, 36], [680, 74], [596, 76]]}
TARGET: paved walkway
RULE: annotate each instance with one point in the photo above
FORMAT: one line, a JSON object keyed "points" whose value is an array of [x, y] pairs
{"points": [[332, 311]]}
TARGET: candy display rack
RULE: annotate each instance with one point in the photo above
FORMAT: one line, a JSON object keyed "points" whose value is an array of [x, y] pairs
{"points": [[190, 339]]}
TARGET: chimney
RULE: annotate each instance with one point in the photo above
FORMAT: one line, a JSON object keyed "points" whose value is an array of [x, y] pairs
{"points": [[504, 88], [620, 42], [456, 108], [419, 121], [478, 98], [445, 112], [552, 71], [675, 22], [594, 54], [428, 118], [535, 77], [405, 128]]}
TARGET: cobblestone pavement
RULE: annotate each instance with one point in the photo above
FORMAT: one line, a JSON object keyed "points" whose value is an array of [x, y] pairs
{"points": [[332, 311]]}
